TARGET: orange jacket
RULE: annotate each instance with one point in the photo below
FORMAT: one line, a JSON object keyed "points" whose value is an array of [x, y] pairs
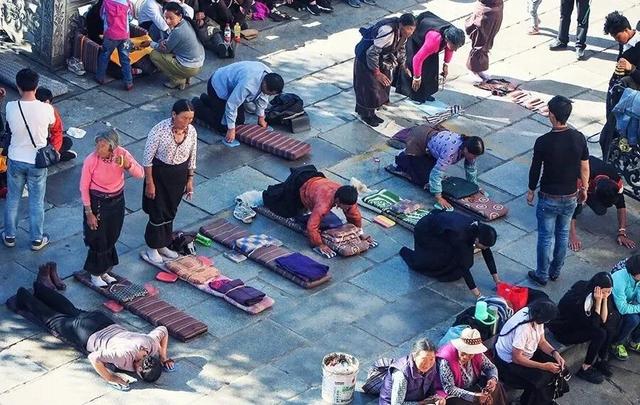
{"points": [[318, 195]]}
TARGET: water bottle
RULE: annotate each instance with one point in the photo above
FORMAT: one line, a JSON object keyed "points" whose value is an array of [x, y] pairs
{"points": [[203, 240], [227, 34], [236, 32]]}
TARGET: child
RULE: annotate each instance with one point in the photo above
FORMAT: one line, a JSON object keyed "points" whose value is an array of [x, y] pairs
{"points": [[61, 143], [116, 15], [532, 9]]}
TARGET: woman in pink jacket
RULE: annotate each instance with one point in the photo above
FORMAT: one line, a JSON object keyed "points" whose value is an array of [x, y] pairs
{"points": [[102, 193]]}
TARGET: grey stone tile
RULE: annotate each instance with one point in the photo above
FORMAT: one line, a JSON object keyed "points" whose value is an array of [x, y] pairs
{"points": [[515, 139], [319, 312], [511, 177], [23, 209], [80, 110], [313, 396], [12, 359], [217, 158], [44, 350], [496, 114], [341, 105], [146, 88], [395, 323], [87, 144], [313, 89], [138, 122], [85, 82], [322, 120], [323, 154], [354, 137], [63, 188], [220, 192], [521, 214], [246, 270], [507, 233], [340, 75], [13, 327], [13, 276], [391, 279], [468, 125], [70, 254], [61, 222], [365, 168], [306, 362], [523, 250], [387, 247]]}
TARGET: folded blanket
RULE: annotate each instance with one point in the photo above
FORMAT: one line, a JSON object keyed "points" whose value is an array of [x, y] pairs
{"points": [[250, 243], [345, 233], [349, 247], [237, 291], [303, 266], [192, 270], [329, 221], [127, 292]]}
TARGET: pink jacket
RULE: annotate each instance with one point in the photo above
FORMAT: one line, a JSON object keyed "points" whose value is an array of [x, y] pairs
{"points": [[431, 45], [449, 353], [116, 15]]}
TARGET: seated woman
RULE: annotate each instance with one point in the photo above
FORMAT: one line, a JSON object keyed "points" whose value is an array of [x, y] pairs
{"points": [[430, 151], [225, 12], [444, 243], [181, 55], [588, 314], [106, 341], [410, 379], [626, 296], [432, 36], [524, 357], [463, 369]]}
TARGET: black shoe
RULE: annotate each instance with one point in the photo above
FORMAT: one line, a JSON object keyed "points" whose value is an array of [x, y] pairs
{"points": [[325, 7], [557, 45], [377, 118], [68, 155], [591, 375], [372, 122], [313, 9], [9, 241], [536, 279], [603, 367], [430, 98], [39, 244], [553, 278]]}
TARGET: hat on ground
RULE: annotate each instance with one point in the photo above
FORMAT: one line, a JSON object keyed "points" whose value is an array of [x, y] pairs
{"points": [[469, 342]]}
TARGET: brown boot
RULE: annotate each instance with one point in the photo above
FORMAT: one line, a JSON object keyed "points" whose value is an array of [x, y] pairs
{"points": [[53, 273], [44, 278]]}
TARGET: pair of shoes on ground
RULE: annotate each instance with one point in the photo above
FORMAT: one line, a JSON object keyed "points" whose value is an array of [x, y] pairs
{"points": [[38, 244], [277, 15], [48, 276], [358, 3], [157, 255], [103, 280], [372, 121], [621, 352], [534, 277], [319, 7], [557, 45], [243, 212]]}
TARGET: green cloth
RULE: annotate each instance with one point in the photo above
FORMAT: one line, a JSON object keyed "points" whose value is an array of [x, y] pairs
{"points": [[384, 199]]}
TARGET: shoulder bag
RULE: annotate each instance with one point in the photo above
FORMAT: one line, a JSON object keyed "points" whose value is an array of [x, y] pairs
{"points": [[46, 156]]}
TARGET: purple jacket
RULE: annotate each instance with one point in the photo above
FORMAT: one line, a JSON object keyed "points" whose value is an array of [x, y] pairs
{"points": [[419, 386]]}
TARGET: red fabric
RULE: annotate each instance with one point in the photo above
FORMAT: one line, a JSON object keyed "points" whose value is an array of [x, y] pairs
{"points": [[449, 353], [56, 130], [516, 296], [318, 195]]}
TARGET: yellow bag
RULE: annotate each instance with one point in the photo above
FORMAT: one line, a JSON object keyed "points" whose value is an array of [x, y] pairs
{"points": [[3, 163], [136, 52]]}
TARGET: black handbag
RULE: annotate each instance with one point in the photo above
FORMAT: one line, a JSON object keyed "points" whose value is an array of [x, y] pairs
{"points": [[46, 156]]}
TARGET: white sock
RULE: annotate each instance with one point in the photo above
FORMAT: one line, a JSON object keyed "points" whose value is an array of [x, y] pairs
{"points": [[98, 282], [108, 279], [166, 252], [154, 255]]}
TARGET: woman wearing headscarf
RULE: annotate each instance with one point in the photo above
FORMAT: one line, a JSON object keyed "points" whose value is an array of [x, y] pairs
{"points": [[525, 358], [462, 365], [588, 314], [380, 53], [431, 36], [102, 193], [444, 244], [169, 164], [482, 27]]}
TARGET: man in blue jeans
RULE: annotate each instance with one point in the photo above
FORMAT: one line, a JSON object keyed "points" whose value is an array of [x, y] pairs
{"points": [[563, 157], [28, 121]]}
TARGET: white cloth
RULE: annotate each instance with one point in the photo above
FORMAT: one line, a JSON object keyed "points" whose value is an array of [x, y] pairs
{"points": [[632, 42], [150, 10], [525, 337], [252, 198], [384, 37], [588, 304], [40, 117]]}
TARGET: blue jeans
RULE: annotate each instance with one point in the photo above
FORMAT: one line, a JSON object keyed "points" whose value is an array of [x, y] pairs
{"points": [[629, 330], [123, 47], [554, 217], [19, 174]]}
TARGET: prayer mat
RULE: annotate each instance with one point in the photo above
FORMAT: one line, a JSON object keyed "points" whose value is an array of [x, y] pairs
{"points": [[381, 202], [439, 118], [12, 305], [350, 249], [253, 242], [191, 269], [497, 87], [226, 233], [530, 101], [273, 142], [154, 310], [468, 196], [11, 64]]}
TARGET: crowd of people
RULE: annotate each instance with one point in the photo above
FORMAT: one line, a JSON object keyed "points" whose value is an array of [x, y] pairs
{"points": [[401, 52]]}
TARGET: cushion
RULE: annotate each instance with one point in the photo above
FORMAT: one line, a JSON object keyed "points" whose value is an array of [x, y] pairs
{"points": [[192, 270], [273, 142]]}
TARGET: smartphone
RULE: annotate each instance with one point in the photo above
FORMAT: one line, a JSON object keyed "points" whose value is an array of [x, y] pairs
{"points": [[235, 257]]}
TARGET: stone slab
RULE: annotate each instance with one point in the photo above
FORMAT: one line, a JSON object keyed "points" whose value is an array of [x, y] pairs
{"points": [[222, 318], [80, 109], [354, 137], [216, 159], [138, 122], [70, 254], [515, 139], [391, 279], [340, 75], [13, 276], [510, 177], [364, 167], [312, 89]]}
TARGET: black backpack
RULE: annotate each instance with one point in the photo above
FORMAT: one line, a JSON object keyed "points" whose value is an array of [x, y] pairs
{"points": [[183, 243], [284, 107], [375, 376]]}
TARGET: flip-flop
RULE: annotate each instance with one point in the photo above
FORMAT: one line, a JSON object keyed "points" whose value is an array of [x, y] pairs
{"points": [[113, 306], [231, 144], [166, 277]]}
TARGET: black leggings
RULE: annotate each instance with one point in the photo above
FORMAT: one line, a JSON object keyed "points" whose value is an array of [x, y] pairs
{"points": [[215, 109], [536, 383], [59, 315]]}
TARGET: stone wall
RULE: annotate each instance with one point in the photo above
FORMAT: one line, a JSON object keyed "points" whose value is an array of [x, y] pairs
{"points": [[44, 28]]}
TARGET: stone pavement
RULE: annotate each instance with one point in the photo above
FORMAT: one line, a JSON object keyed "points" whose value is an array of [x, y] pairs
{"points": [[374, 305]]}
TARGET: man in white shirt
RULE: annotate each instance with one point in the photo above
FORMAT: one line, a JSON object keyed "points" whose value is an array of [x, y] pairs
{"points": [[150, 16], [28, 121]]}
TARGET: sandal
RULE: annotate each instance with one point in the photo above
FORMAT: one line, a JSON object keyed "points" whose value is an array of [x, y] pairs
{"points": [[244, 213]]}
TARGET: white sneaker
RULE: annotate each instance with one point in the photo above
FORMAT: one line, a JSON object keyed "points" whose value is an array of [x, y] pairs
{"points": [[108, 279], [98, 282], [154, 256], [168, 253]]}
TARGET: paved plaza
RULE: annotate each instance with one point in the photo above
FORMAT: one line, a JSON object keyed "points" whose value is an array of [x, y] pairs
{"points": [[374, 306]]}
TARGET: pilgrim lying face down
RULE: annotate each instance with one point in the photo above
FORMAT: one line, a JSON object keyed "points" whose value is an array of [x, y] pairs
{"points": [[109, 344]]}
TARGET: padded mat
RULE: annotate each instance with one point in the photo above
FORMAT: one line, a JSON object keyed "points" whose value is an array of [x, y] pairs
{"points": [[273, 142], [154, 310], [381, 202], [226, 233]]}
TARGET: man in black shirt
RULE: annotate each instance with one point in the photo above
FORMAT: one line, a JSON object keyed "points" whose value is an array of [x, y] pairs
{"points": [[564, 154], [605, 190]]}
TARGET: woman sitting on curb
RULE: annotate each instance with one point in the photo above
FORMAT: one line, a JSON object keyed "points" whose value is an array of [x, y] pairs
{"points": [[626, 296]]}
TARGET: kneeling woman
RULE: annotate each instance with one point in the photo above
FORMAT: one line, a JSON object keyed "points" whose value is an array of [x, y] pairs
{"points": [[169, 162], [524, 357], [588, 314], [444, 243], [430, 151], [94, 332], [463, 367], [102, 193], [411, 379]]}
